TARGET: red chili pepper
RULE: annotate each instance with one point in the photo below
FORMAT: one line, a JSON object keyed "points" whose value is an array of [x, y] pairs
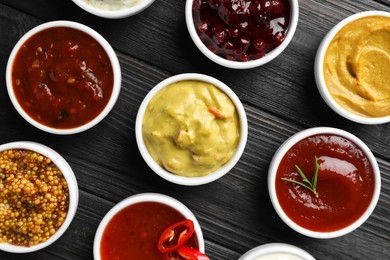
{"points": [[175, 236], [191, 254]]}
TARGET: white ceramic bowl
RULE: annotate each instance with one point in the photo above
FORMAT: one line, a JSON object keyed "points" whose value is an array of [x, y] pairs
{"points": [[115, 66], [285, 147], [277, 248], [294, 14], [114, 14], [191, 181], [70, 178], [146, 197], [319, 68]]}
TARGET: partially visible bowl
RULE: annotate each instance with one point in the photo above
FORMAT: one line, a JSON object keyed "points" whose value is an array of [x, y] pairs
{"points": [[122, 9], [347, 188], [276, 251], [242, 128], [71, 70], [351, 84], [138, 200], [261, 54], [73, 192]]}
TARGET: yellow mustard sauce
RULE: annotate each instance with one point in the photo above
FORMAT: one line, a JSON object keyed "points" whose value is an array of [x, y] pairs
{"points": [[357, 67]]}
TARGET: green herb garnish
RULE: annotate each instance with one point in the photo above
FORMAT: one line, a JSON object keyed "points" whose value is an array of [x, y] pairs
{"points": [[311, 185]]}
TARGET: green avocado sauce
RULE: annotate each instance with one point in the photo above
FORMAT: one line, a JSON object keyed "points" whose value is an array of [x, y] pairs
{"points": [[191, 128]]}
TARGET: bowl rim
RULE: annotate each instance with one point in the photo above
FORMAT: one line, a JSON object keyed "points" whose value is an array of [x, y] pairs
{"points": [[183, 180], [319, 77], [271, 248], [71, 180], [146, 197], [116, 70], [114, 14], [292, 141], [294, 17]]}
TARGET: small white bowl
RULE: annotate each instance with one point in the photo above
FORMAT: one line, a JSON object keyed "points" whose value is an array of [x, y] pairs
{"points": [[276, 249], [285, 147], [319, 68], [70, 178], [192, 181], [294, 15], [115, 66], [147, 197], [114, 14]]}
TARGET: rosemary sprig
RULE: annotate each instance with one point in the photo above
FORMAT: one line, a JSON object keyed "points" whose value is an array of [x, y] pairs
{"points": [[310, 185]]}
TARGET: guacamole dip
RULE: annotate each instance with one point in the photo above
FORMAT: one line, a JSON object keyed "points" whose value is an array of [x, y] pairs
{"points": [[191, 128], [357, 67]]}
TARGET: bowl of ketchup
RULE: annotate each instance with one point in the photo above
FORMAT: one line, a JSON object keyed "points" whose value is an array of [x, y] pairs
{"points": [[324, 182]]}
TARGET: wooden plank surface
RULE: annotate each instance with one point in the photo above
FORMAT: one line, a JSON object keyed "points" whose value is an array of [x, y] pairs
{"points": [[280, 99]]}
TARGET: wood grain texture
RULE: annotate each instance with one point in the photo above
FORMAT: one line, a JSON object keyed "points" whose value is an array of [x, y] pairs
{"points": [[280, 99]]}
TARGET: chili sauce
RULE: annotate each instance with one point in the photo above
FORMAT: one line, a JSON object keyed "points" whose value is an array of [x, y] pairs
{"points": [[345, 184], [62, 77], [134, 232]]}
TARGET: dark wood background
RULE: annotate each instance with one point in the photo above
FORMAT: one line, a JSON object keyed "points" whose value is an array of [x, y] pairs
{"points": [[280, 99]]}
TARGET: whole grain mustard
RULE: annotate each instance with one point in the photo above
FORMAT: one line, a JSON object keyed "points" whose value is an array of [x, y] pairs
{"points": [[34, 197]]}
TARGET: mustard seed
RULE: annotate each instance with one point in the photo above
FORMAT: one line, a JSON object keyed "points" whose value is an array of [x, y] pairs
{"points": [[30, 209]]}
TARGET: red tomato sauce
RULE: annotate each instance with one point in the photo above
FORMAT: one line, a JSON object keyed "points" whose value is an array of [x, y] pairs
{"points": [[345, 183], [62, 77], [134, 232]]}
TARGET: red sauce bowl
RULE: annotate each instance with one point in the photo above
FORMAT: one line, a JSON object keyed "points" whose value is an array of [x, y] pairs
{"points": [[63, 77], [132, 228], [348, 182]]}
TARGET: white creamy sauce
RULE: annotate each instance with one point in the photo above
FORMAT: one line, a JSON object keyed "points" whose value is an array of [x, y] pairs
{"points": [[278, 256], [112, 5]]}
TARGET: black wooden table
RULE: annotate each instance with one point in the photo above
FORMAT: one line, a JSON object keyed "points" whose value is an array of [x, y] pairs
{"points": [[280, 99]]}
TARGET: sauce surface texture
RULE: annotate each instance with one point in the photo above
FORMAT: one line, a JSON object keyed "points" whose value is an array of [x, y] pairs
{"points": [[62, 77], [241, 30], [357, 65], [34, 198], [134, 232], [112, 5], [191, 128], [345, 183]]}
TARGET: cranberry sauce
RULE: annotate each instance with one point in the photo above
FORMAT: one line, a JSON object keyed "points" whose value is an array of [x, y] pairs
{"points": [[241, 30]]}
